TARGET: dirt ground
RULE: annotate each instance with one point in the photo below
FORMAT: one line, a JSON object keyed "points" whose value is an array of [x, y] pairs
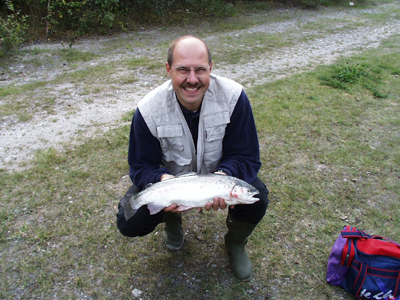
{"points": [[75, 117]]}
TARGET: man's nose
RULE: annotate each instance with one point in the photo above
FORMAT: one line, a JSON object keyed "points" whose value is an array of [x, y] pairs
{"points": [[192, 78]]}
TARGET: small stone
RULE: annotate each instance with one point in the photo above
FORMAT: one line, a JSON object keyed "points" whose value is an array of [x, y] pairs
{"points": [[136, 293]]}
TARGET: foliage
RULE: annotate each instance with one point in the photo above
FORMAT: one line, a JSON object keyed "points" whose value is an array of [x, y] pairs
{"points": [[57, 17], [12, 30], [176, 11], [81, 16], [345, 75]]}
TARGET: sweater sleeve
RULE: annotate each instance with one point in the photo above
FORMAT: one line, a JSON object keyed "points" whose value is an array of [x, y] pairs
{"points": [[241, 153], [144, 154]]}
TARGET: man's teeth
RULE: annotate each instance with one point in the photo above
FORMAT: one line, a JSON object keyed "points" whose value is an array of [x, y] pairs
{"points": [[190, 89]]}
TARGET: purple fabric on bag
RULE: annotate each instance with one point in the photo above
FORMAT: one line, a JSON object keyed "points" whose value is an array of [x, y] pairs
{"points": [[335, 271]]}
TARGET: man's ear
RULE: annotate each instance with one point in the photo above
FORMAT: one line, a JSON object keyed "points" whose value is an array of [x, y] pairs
{"points": [[168, 69]]}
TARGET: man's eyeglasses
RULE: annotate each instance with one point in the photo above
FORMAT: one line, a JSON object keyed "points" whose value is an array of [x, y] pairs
{"points": [[184, 72]]}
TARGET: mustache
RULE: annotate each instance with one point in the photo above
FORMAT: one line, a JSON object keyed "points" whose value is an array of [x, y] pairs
{"points": [[188, 85]]}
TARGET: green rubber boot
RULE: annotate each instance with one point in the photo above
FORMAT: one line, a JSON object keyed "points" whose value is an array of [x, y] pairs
{"points": [[235, 241], [173, 232]]}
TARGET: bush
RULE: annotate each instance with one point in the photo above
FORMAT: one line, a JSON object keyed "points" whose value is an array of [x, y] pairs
{"points": [[12, 31], [56, 18], [80, 16], [174, 12]]}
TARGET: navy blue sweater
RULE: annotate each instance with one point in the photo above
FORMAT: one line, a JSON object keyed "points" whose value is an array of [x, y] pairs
{"points": [[241, 156]]}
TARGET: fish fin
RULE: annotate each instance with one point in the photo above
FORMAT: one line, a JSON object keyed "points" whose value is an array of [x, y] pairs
{"points": [[184, 208], [155, 208]]}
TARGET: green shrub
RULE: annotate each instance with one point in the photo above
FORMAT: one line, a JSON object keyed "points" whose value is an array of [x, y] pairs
{"points": [[174, 11], [12, 30], [78, 17], [81, 16]]}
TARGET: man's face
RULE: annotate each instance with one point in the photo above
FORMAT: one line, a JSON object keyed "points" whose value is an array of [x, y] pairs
{"points": [[190, 91]]}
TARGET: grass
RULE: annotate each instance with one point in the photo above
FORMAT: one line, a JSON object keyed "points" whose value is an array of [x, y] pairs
{"points": [[330, 157], [23, 101]]}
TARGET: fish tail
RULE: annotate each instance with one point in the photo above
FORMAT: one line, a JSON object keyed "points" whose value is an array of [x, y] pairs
{"points": [[126, 202]]}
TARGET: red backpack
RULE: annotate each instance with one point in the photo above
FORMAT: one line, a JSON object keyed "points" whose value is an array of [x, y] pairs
{"points": [[364, 265]]}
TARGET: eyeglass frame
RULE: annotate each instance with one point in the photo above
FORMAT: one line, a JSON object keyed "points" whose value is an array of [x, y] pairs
{"points": [[190, 69]]}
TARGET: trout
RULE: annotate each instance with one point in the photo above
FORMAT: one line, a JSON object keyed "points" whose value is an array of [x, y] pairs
{"points": [[194, 190]]}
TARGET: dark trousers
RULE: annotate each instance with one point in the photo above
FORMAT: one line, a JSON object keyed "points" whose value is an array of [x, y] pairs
{"points": [[143, 223]]}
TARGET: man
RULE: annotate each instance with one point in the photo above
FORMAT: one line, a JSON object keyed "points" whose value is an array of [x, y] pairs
{"points": [[195, 122]]}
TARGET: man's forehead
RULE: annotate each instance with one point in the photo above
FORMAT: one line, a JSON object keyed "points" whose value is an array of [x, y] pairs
{"points": [[190, 52], [189, 43]]}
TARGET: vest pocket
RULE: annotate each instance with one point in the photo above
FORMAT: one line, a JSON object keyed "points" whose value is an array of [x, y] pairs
{"points": [[215, 130], [213, 145], [170, 137], [175, 157]]}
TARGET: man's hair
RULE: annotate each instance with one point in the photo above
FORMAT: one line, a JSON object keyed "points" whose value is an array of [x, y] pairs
{"points": [[175, 42]]}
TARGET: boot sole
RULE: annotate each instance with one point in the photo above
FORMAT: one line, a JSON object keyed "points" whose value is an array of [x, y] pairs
{"points": [[172, 247]]}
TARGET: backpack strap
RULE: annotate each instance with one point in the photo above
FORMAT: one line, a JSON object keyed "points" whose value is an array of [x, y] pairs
{"points": [[351, 232]]}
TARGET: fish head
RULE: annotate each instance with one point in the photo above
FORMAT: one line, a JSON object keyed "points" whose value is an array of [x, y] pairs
{"points": [[244, 194]]}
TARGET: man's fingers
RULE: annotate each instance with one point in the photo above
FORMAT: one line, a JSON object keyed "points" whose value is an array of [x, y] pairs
{"points": [[166, 177], [171, 208], [218, 203], [222, 204]]}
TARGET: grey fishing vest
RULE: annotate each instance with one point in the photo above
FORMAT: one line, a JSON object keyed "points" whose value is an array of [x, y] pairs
{"points": [[161, 112]]}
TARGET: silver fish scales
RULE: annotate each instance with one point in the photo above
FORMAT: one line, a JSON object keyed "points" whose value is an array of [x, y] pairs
{"points": [[194, 190]]}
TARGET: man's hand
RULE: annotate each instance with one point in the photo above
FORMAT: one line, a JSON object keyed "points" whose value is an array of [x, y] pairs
{"points": [[172, 208], [220, 172], [218, 203], [166, 177]]}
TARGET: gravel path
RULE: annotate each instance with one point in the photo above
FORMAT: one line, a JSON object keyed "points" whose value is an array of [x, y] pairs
{"points": [[20, 140]]}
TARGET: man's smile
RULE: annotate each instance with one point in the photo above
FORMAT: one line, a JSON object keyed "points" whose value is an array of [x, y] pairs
{"points": [[191, 88]]}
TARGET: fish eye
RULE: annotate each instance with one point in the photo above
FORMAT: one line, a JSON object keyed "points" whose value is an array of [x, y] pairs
{"points": [[254, 191]]}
